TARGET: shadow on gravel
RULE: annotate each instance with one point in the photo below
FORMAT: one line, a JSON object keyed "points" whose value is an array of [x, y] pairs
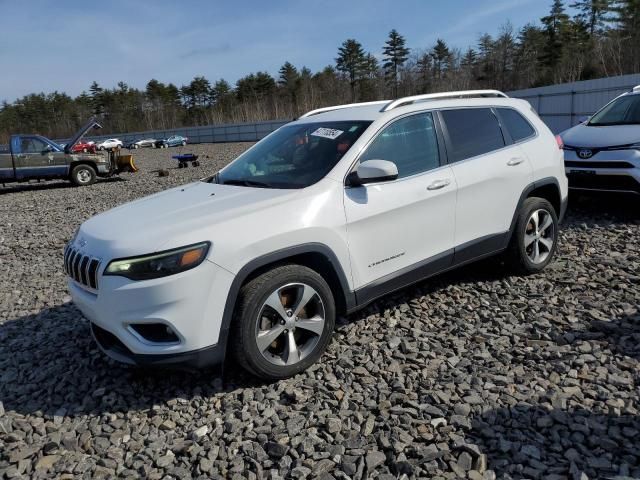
{"points": [[49, 364], [620, 335], [613, 207], [49, 185], [524, 441]]}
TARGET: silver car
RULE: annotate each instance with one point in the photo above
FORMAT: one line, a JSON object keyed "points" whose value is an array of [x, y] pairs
{"points": [[603, 153]]}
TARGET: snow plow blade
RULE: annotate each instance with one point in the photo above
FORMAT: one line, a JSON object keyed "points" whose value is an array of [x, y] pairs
{"points": [[124, 163]]}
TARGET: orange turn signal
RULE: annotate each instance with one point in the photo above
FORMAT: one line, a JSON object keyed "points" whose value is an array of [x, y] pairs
{"points": [[191, 257]]}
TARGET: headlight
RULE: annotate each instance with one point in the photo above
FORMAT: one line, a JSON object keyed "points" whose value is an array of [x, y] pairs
{"points": [[159, 264]]}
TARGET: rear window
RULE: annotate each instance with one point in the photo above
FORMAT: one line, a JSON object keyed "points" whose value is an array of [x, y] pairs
{"points": [[472, 132], [517, 126]]}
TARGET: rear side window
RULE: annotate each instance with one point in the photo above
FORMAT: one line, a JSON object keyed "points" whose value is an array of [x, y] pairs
{"points": [[410, 143], [472, 131], [517, 126]]}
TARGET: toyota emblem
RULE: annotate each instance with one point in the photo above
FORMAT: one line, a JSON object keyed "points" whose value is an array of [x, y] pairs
{"points": [[585, 153]]}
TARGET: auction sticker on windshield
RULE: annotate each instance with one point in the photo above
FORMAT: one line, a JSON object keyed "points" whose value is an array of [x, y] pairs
{"points": [[330, 133]]}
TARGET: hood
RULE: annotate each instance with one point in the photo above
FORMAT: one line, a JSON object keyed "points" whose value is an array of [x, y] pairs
{"points": [[151, 224], [91, 124], [600, 137]]}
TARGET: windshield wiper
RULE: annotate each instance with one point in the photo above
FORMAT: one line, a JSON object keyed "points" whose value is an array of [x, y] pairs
{"points": [[246, 183]]}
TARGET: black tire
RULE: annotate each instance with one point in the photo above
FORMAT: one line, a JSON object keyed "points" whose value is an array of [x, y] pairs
{"points": [[520, 251], [83, 175], [249, 312], [101, 148]]}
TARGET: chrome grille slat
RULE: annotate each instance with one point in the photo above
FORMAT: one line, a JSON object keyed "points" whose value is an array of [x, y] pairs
{"points": [[81, 268], [93, 273], [70, 263], [84, 263], [76, 267]]}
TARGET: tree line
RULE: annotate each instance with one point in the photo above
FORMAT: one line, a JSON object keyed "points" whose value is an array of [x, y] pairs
{"points": [[599, 38]]}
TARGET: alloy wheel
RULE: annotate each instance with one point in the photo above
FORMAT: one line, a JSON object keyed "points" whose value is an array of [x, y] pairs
{"points": [[290, 324], [539, 236]]}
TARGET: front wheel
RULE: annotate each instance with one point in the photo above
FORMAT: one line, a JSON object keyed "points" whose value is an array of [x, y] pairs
{"points": [[535, 239], [83, 175], [283, 322]]}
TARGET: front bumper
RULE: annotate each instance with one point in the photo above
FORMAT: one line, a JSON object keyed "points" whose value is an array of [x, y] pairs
{"points": [[190, 304], [607, 170], [114, 348]]}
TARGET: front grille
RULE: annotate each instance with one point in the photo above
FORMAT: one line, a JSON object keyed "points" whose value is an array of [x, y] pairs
{"points": [[587, 164], [82, 268]]}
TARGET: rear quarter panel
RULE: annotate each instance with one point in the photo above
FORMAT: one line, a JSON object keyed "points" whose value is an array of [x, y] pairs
{"points": [[543, 152]]}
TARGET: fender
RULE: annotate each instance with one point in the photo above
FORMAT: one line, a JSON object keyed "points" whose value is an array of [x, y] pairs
{"points": [[282, 254], [525, 193]]}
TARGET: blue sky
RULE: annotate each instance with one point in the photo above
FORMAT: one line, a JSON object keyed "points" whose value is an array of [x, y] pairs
{"points": [[64, 45]]}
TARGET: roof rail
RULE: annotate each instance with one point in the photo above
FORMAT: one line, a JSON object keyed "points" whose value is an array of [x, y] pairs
{"points": [[443, 95], [339, 107]]}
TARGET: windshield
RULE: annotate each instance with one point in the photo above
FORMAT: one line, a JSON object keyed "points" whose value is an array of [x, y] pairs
{"points": [[622, 111], [294, 156]]}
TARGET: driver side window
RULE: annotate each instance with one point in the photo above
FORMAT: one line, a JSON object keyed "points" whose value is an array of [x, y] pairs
{"points": [[32, 145], [411, 143]]}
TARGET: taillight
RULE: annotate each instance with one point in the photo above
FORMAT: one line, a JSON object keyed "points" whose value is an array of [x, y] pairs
{"points": [[559, 142]]}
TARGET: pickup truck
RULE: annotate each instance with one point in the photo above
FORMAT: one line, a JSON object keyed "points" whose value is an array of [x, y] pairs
{"points": [[30, 157]]}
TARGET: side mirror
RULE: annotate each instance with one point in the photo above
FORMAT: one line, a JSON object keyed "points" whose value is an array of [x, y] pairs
{"points": [[47, 149], [371, 171]]}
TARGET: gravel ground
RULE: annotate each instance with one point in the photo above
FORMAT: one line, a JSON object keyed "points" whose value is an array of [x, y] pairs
{"points": [[476, 374]]}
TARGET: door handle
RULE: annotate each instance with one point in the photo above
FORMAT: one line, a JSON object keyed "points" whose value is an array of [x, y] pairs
{"points": [[515, 161], [438, 184]]}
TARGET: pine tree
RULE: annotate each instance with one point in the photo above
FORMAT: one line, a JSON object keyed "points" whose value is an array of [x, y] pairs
{"points": [[626, 15], [555, 29], [288, 76], [593, 13], [289, 80], [97, 100], [351, 61], [395, 55], [441, 58]]}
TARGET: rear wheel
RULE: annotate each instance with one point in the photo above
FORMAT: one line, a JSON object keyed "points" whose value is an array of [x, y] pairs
{"points": [[82, 175], [283, 322], [535, 239]]}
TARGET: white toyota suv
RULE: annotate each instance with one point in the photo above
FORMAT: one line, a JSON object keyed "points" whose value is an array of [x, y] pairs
{"points": [[323, 216]]}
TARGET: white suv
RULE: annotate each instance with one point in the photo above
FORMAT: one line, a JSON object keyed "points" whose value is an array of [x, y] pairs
{"points": [[323, 216]]}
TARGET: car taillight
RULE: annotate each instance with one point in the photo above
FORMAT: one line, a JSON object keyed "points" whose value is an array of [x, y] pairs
{"points": [[559, 142]]}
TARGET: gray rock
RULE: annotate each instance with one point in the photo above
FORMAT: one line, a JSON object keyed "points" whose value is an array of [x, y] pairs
{"points": [[465, 461], [374, 459]]}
